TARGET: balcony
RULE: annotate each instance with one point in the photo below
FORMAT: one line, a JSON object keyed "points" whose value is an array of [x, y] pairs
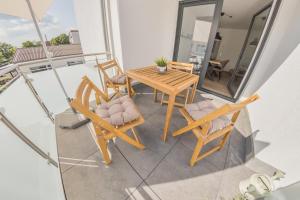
{"points": [[45, 161], [161, 171]]}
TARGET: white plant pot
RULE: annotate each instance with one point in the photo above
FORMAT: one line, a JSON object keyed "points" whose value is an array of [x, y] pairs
{"points": [[162, 69]]}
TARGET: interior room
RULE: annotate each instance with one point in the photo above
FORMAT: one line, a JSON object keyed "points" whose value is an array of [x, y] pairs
{"points": [[234, 45]]}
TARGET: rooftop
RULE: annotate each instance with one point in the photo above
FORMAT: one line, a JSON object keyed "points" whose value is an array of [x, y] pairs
{"points": [[37, 53]]}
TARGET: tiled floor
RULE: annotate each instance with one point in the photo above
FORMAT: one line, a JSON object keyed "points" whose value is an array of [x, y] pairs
{"points": [[161, 171]]}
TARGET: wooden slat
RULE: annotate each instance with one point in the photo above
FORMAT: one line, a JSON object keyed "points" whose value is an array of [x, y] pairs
{"points": [[178, 79], [172, 75]]}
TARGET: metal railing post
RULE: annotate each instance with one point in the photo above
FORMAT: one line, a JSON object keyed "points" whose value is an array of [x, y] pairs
{"points": [[26, 140], [48, 56], [36, 95]]}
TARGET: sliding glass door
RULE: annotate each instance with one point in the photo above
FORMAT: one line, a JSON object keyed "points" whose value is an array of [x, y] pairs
{"points": [[195, 20], [252, 40], [223, 39]]}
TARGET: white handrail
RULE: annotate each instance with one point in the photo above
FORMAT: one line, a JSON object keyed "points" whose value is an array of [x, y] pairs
{"points": [[12, 67]]}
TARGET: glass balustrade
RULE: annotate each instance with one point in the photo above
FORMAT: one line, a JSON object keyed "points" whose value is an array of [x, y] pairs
{"points": [[23, 169], [24, 173]]}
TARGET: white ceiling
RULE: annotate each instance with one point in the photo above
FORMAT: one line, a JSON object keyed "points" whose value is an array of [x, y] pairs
{"points": [[242, 12]]}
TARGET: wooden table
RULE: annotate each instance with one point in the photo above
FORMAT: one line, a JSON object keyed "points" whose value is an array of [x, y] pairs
{"points": [[171, 83]]}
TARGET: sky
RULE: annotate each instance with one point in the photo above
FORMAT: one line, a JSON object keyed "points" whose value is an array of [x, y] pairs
{"points": [[60, 18]]}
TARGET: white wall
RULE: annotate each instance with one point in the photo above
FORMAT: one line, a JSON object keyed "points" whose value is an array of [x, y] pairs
{"points": [[90, 26], [116, 35], [147, 30], [231, 45], [283, 38], [275, 117]]}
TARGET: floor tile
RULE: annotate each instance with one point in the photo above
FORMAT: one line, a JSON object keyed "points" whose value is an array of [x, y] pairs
{"points": [[143, 192], [100, 181], [175, 179]]}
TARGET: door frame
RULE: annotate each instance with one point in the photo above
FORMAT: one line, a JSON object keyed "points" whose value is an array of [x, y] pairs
{"points": [[181, 6], [275, 4], [215, 24], [269, 5]]}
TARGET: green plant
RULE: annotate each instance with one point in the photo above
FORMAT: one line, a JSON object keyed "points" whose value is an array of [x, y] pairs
{"points": [[161, 62], [7, 52], [60, 40], [29, 43]]}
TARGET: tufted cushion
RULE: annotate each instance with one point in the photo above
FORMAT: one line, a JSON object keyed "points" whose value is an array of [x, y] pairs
{"points": [[201, 109], [119, 79], [118, 111]]}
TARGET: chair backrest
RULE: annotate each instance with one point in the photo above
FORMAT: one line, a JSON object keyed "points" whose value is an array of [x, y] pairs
{"points": [[186, 67], [228, 109], [81, 103], [224, 63], [111, 64], [224, 110]]}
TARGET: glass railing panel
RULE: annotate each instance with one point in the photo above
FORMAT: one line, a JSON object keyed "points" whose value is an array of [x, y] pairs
{"points": [[49, 90], [24, 111], [72, 76], [24, 173], [51, 93]]}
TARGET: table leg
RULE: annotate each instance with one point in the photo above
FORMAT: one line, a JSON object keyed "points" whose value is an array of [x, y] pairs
{"points": [[171, 102], [128, 80], [155, 94], [193, 92]]}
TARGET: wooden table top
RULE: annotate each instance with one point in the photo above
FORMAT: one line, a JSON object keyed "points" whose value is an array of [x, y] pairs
{"points": [[173, 81]]}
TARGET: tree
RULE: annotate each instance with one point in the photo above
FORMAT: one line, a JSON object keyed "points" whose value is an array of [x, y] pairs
{"points": [[7, 52], [60, 39], [28, 44], [2, 59]]}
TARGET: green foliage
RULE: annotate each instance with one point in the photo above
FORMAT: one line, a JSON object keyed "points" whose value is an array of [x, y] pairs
{"points": [[162, 62], [59, 40], [28, 44], [7, 52], [2, 58]]}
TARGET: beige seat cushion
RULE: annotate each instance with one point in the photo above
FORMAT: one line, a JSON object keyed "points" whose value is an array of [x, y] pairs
{"points": [[118, 111], [201, 109], [119, 79]]}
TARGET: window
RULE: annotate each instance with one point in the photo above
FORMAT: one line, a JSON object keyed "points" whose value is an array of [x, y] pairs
{"points": [[40, 68], [77, 62]]}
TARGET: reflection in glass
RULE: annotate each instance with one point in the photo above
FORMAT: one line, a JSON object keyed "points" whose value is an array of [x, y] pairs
{"points": [[195, 29], [252, 41]]}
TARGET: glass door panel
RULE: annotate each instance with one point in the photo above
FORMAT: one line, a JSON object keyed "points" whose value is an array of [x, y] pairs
{"points": [[255, 31], [192, 37]]}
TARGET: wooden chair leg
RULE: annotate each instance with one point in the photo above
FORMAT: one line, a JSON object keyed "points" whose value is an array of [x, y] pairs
{"points": [[187, 96], [105, 88], [155, 95], [132, 91], [130, 140], [196, 152], [224, 140], [104, 150], [135, 135], [162, 98]]}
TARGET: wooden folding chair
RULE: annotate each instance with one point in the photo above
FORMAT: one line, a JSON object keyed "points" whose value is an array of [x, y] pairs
{"points": [[209, 123], [185, 67], [116, 81], [104, 130]]}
